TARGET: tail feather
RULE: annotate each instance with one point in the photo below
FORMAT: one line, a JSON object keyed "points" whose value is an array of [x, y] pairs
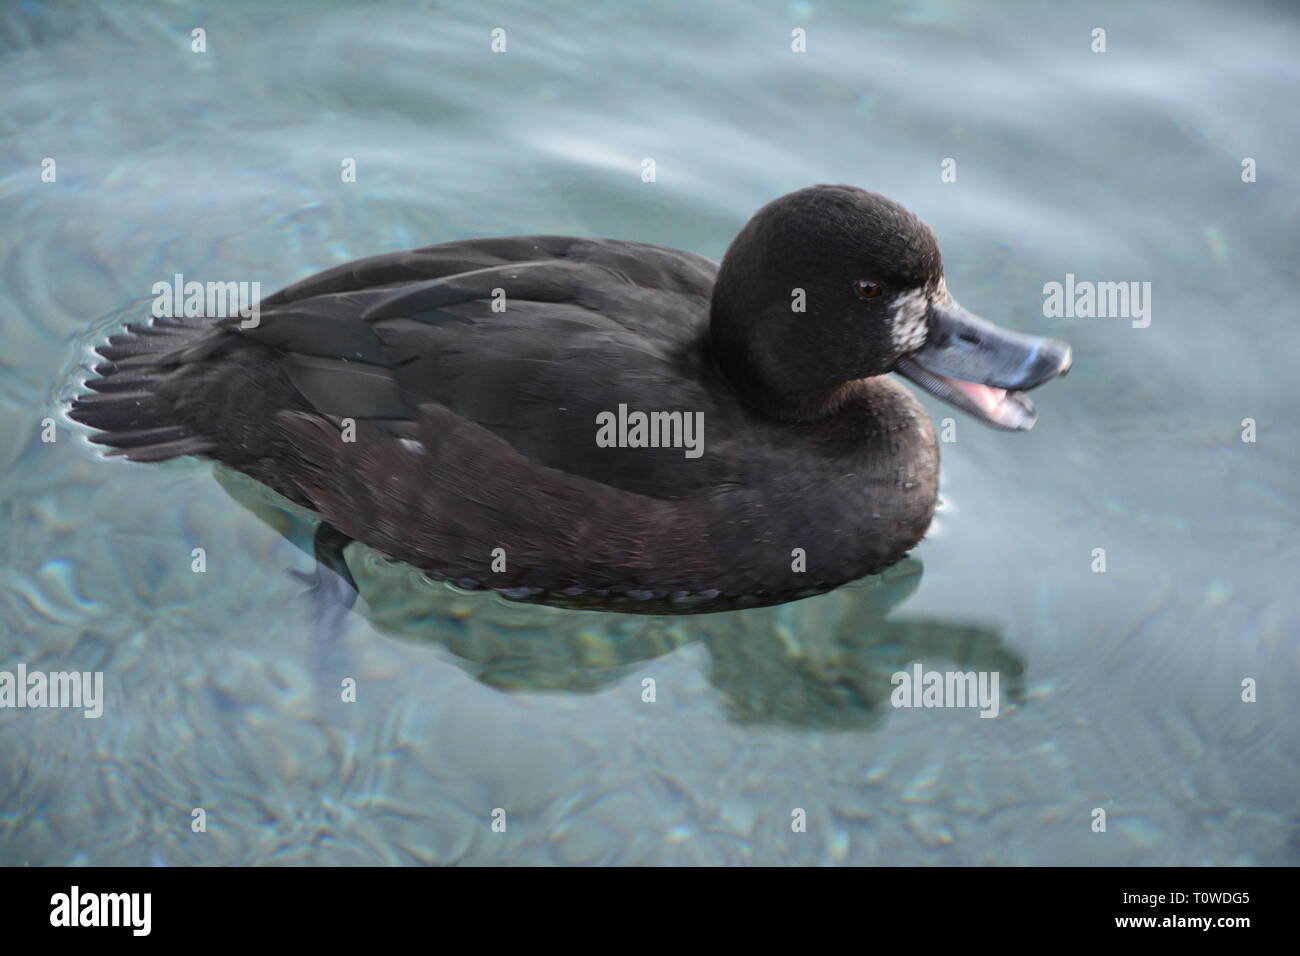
{"points": [[124, 402], [123, 383], [123, 440], [193, 445]]}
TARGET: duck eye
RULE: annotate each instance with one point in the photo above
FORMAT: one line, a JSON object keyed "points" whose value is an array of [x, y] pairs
{"points": [[865, 289]]}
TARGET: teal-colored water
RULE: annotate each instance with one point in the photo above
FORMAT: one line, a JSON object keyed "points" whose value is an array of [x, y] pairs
{"points": [[1122, 690]]}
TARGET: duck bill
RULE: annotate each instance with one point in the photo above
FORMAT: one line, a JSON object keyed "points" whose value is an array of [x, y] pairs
{"points": [[982, 369]]}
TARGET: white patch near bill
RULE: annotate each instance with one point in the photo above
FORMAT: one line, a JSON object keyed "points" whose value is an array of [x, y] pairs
{"points": [[941, 294], [908, 328]]}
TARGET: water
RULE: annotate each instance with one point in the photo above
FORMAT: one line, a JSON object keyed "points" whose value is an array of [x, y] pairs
{"points": [[1122, 690]]}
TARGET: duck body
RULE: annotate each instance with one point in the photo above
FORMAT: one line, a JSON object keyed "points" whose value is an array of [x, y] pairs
{"points": [[443, 406]]}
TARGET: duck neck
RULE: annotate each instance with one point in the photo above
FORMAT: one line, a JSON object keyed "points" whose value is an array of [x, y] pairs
{"points": [[809, 406], [733, 355]]}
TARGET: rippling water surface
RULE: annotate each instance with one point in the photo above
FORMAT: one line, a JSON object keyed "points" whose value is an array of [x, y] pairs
{"points": [[1121, 690]]}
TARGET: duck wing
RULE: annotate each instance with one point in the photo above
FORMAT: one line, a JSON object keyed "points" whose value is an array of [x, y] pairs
{"points": [[530, 338]]}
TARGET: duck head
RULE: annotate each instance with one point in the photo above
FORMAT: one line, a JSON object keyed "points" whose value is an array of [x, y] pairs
{"points": [[832, 284]]}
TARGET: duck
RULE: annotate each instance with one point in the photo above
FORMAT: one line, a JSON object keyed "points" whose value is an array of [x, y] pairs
{"points": [[573, 420]]}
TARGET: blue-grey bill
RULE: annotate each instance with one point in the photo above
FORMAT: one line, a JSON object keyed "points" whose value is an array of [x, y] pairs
{"points": [[981, 368]]}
